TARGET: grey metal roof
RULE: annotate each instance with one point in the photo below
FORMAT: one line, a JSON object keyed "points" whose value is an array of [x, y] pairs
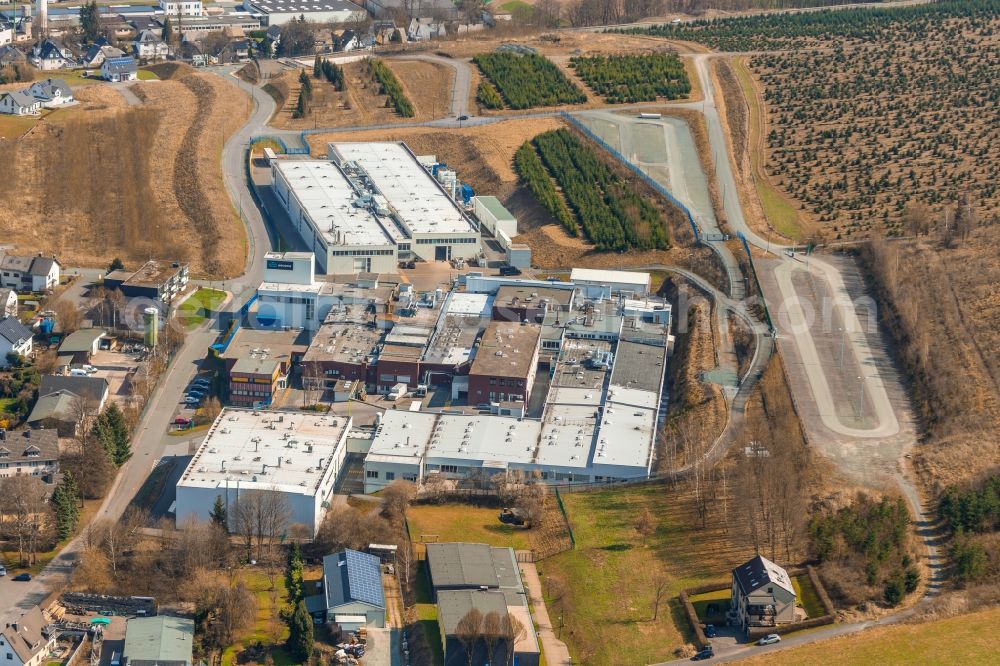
{"points": [[81, 341], [42, 265], [639, 366], [472, 565], [161, 639], [14, 331], [454, 604], [22, 98], [58, 405], [350, 576], [91, 388]]}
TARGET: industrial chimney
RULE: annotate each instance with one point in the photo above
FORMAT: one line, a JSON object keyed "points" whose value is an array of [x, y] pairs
{"points": [[43, 16]]}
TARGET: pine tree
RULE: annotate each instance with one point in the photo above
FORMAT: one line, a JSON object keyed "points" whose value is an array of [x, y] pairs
{"points": [[112, 431], [318, 67], [294, 574], [66, 505], [300, 636], [219, 514], [168, 31]]}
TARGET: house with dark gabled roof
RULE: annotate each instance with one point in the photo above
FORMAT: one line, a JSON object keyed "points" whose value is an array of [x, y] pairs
{"points": [[15, 338], [11, 55], [62, 400], [29, 273], [353, 596], [50, 54], [25, 642], [762, 595], [29, 453]]}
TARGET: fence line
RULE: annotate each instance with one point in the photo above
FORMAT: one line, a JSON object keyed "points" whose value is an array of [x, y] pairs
{"points": [[281, 143], [634, 169], [569, 528], [756, 281]]}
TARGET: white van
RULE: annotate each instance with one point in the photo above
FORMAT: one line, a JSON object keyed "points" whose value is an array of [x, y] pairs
{"points": [[78, 372]]}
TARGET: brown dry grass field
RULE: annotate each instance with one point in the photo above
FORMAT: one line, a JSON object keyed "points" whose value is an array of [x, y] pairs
{"points": [[101, 179], [428, 86], [943, 308]]}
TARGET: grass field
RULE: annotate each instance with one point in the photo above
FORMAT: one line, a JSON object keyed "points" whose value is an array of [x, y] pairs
{"points": [[457, 522], [780, 213], [11, 127], [146, 75], [805, 594], [965, 639], [268, 627], [609, 578], [427, 612], [720, 598], [193, 311]]}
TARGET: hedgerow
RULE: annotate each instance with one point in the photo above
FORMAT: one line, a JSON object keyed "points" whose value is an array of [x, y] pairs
{"points": [[532, 173], [611, 213], [529, 80], [391, 87], [634, 78]]}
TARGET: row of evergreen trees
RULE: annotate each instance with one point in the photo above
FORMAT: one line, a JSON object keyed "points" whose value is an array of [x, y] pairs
{"points": [[323, 68], [304, 103]]}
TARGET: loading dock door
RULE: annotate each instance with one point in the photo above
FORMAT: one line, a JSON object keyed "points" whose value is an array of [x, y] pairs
{"points": [[442, 252]]}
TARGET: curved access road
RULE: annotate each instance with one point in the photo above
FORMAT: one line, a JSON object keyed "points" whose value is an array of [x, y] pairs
{"points": [[462, 86]]}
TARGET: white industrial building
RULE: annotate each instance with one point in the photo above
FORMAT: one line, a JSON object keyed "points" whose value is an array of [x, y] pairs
{"points": [[371, 205], [171, 8], [598, 280], [295, 455], [279, 12]]}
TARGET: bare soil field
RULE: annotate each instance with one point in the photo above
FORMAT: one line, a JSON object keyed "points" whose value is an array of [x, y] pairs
{"points": [[100, 179], [428, 85], [943, 309]]}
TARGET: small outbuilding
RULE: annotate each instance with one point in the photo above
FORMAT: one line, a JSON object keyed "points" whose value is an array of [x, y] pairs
{"points": [[352, 595]]}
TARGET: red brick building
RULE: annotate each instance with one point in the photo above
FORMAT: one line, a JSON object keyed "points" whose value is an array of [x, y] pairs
{"points": [[505, 363]]}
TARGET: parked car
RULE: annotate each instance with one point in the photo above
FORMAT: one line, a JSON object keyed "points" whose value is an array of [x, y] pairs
{"points": [[770, 639], [22, 577], [710, 631], [461, 118], [707, 653], [3, 570], [202, 380], [196, 393], [507, 269], [182, 421], [191, 400]]}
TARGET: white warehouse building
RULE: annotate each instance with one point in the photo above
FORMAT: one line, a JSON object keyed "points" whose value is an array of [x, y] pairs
{"points": [[280, 12], [297, 456], [370, 206]]}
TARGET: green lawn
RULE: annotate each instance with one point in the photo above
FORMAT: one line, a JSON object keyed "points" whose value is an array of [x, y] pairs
{"points": [[7, 404], [964, 639], [197, 307], [720, 598], [459, 522], [805, 593], [427, 613], [146, 75], [515, 4], [260, 585], [611, 575]]}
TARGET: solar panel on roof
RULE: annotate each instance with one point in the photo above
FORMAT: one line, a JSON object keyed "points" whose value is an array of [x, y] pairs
{"points": [[364, 578]]}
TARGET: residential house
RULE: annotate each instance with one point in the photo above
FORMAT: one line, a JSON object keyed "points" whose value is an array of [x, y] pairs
{"points": [[11, 55], [25, 273], [424, 28], [51, 92], [15, 338], [96, 55], [352, 595], [162, 640], [236, 51], [117, 26], [149, 46], [273, 35], [29, 453], [50, 54], [24, 641], [19, 103], [762, 595], [8, 302], [120, 69], [63, 400], [349, 41]]}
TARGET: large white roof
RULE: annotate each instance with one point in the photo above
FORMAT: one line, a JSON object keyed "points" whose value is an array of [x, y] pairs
{"points": [[607, 277], [423, 207], [328, 199], [291, 452]]}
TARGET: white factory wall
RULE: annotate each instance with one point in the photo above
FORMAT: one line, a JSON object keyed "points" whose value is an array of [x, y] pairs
{"points": [[290, 270], [334, 16], [399, 468], [490, 221], [363, 259], [424, 245], [197, 502]]}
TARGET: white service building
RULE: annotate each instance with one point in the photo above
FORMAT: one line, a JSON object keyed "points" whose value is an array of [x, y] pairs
{"points": [[296, 455], [279, 12], [171, 8], [598, 280]]}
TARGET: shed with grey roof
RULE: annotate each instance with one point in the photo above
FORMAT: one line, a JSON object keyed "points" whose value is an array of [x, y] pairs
{"points": [[159, 641]]}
